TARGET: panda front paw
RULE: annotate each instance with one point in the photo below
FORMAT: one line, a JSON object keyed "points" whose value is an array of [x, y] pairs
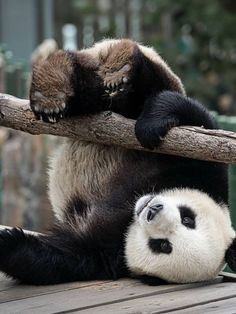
{"points": [[150, 134]]}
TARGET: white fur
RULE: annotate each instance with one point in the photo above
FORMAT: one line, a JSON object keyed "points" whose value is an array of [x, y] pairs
{"points": [[197, 255], [81, 169]]}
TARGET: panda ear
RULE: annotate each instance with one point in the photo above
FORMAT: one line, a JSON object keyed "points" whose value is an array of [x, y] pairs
{"points": [[230, 255]]}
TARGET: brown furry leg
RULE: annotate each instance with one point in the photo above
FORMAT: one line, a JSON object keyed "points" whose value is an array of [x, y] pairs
{"points": [[117, 67], [52, 86]]}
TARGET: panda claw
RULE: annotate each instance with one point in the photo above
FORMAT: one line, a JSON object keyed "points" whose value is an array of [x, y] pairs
{"points": [[51, 119], [36, 108], [50, 113], [125, 68]]}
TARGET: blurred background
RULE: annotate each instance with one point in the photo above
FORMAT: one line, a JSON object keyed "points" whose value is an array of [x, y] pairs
{"points": [[197, 39]]}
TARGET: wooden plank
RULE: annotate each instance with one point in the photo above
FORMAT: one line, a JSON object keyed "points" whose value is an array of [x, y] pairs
{"points": [[168, 302], [98, 296], [227, 306], [11, 291], [25, 291]]}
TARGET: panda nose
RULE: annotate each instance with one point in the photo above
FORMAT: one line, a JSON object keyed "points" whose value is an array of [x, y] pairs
{"points": [[153, 210]]}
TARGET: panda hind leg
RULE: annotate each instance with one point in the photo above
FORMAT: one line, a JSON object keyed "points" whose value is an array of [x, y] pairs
{"points": [[60, 84], [52, 86], [49, 259], [117, 69]]}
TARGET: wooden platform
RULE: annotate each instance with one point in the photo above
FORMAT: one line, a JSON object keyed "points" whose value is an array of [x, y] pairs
{"points": [[116, 297]]}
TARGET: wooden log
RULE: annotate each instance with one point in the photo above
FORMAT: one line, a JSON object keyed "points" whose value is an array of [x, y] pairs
{"points": [[113, 129]]}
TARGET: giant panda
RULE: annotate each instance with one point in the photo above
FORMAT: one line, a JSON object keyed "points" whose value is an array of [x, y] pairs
{"points": [[121, 212]]}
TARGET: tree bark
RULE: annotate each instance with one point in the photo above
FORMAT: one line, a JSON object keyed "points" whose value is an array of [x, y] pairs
{"points": [[113, 129]]}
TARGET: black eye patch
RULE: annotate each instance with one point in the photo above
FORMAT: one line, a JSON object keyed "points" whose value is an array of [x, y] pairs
{"points": [[187, 217], [160, 245]]}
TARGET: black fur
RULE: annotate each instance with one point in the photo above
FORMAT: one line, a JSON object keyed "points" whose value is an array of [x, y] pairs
{"points": [[159, 246], [230, 255], [166, 110], [88, 86], [61, 256], [188, 217], [94, 249]]}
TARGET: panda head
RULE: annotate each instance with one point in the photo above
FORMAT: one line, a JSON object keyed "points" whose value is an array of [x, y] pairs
{"points": [[180, 235]]}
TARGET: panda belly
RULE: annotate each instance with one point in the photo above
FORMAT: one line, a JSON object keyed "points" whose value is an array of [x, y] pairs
{"points": [[82, 170]]}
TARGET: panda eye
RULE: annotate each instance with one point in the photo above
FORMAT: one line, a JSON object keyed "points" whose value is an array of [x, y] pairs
{"points": [[165, 247], [188, 222], [187, 217]]}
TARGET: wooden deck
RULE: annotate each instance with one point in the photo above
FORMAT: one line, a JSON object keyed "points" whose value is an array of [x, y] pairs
{"points": [[123, 296]]}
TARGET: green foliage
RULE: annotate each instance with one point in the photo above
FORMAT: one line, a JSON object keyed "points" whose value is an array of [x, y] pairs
{"points": [[84, 6], [198, 40]]}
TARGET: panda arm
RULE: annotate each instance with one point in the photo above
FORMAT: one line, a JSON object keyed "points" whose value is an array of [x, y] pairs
{"points": [[166, 110], [61, 256]]}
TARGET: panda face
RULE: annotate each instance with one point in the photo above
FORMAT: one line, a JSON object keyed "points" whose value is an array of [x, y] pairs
{"points": [[180, 235]]}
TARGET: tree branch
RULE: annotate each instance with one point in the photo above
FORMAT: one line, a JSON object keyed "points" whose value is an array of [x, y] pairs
{"points": [[113, 129]]}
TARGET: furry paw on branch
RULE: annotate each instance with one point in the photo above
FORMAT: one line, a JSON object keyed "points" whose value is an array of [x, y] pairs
{"points": [[113, 129]]}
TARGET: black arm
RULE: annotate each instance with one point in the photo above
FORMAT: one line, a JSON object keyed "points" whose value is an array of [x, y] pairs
{"points": [[166, 110]]}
